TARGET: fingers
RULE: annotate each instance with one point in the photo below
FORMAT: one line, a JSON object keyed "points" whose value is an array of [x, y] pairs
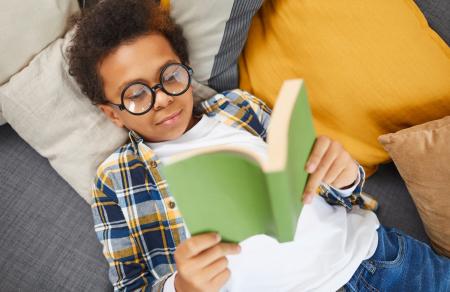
{"points": [[320, 147], [336, 168], [217, 267], [328, 163], [327, 154], [346, 177], [196, 244], [202, 263], [213, 254], [221, 278]]}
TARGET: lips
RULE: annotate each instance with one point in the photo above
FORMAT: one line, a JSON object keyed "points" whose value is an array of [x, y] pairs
{"points": [[170, 118]]}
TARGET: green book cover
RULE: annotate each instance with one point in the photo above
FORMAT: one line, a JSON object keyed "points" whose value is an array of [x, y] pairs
{"points": [[230, 191]]}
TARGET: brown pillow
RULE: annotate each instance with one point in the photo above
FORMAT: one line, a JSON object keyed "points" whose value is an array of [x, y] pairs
{"points": [[422, 156]]}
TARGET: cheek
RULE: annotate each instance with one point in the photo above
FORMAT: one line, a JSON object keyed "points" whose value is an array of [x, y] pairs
{"points": [[188, 98], [189, 106], [139, 124]]}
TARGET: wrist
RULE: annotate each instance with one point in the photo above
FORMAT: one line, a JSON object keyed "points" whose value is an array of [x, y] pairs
{"points": [[349, 186]]}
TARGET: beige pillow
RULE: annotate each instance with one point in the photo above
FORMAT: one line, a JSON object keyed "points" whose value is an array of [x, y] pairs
{"points": [[422, 156], [2, 119], [26, 27], [47, 109], [45, 106]]}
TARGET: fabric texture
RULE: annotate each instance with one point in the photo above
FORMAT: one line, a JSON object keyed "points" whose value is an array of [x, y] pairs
{"points": [[216, 31], [46, 108], [396, 207], [28, 26], [36, 30], [437, 13], [47, 242], [371, 67], [136, 218], [2, 119], [422, 156], [401, 263]]}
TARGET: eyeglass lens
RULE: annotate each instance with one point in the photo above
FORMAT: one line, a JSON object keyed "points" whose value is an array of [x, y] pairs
{"points": [[138, 98]]}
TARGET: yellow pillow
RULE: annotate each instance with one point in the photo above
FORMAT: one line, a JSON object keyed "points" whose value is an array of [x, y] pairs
{"points": [[371, 67]]}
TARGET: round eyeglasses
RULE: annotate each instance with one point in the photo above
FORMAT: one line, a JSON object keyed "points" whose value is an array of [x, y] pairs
{"points": [[138, 98]]}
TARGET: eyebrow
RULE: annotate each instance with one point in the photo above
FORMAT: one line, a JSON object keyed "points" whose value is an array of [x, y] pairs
{"points": [[156, 77]]}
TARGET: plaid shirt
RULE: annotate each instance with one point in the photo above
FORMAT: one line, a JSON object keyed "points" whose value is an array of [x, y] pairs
{"points": [[136, 218]]}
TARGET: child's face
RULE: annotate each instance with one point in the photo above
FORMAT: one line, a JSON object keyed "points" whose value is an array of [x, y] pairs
{"points": [[142, 60]]}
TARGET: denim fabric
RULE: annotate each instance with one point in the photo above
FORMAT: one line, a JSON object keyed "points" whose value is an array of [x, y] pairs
{"points": [[401, 263]]}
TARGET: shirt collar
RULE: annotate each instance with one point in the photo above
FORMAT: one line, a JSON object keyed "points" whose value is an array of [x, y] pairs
{"points": [[135, 139]]}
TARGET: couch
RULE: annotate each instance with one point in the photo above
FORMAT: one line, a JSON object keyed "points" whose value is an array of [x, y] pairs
{"points": [[47, 239]]}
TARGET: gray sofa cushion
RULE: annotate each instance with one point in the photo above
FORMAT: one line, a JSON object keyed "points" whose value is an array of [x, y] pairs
{"points": [[47, 240], [396, 206], [437, 13]]}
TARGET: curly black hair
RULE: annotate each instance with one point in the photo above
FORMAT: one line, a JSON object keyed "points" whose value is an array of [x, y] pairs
{"points": [[109, 24]]}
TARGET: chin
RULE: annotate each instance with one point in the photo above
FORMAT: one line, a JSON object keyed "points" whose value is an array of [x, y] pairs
{"points": [[163, 134]]}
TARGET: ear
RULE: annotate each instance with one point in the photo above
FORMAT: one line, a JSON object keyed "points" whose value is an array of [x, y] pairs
{"points": [[111, 114]]}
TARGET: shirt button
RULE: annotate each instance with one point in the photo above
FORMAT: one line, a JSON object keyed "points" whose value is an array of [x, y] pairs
{"points": [[153, 164], [172, 205]]}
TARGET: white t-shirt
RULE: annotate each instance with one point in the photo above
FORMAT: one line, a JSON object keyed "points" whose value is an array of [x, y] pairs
{"points": [[208, 132], [330, 243]]}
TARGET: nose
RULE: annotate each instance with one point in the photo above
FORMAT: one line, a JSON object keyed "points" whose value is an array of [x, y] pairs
{"points": [[162, 100]]}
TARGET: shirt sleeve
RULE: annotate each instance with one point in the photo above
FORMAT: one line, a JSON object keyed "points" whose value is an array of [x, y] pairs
{"points": [[262, 110], [127, 268], [348, 199]]}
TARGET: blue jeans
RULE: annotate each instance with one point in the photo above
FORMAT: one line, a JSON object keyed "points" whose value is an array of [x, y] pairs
{"points": [[401, 263]]}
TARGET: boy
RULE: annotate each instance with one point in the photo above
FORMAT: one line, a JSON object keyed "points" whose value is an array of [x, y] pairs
{"points": [[131, 60]]}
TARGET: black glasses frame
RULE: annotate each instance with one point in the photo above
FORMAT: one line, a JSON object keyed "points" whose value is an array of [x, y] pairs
{"points": [[154, 89]]}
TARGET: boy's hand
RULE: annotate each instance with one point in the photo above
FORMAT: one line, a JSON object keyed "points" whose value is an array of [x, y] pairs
{"points": [[201, 263], [330, 163]]}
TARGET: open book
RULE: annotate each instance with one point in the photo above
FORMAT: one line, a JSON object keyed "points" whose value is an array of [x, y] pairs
{"points": [[231, 191]]}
